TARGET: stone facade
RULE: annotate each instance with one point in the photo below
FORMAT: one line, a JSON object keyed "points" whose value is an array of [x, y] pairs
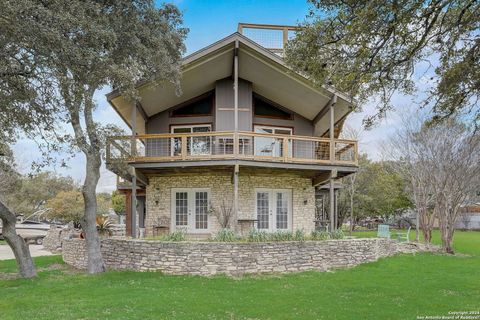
{"points": [[210, 258], [53, 240], [159, 193], [56, 235]]}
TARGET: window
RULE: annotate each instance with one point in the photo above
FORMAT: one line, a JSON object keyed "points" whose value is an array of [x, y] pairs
{"points": [[198, 145], [264, 108], [272, 147], [199, 106]]}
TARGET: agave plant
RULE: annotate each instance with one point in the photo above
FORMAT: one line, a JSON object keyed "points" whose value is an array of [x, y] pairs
{"points": [[104, 225]]}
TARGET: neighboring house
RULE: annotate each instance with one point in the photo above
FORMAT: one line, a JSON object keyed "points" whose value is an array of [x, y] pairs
{"points": [[469, 218], [246, 133]]}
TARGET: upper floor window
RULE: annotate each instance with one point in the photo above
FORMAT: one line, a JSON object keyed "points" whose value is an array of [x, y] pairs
{"points": [[196, 107], [264, 108]]}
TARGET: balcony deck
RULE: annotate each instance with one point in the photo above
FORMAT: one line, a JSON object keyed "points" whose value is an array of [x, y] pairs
{"points": [[205, 146]]}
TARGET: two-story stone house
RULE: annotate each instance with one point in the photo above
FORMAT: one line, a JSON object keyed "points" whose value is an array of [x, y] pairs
{"points": [[247, 135]]}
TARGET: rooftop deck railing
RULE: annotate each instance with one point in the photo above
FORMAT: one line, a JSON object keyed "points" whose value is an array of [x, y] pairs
{"points": [[228, 145]]}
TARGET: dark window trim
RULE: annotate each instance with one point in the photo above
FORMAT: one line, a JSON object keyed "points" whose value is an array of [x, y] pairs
{"points": [[197, 98], [272, 126], [190, 124], [276, 105]]}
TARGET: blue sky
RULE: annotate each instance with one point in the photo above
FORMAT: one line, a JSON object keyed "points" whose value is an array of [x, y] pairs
{"points": [[208, 22]]}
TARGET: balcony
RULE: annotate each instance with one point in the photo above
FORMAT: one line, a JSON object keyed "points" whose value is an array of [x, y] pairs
{"points": [[228, 145]]}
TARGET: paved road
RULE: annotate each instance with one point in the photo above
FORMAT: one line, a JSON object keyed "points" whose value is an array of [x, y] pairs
{"points": [[35, 250]]}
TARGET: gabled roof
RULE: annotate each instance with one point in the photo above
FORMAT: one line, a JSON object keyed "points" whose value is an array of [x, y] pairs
{"points": [[268, 73]]}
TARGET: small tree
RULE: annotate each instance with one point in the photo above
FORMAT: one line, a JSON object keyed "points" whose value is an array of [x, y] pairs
{"points": [[223, 213], [67, 206], [118, 203]]}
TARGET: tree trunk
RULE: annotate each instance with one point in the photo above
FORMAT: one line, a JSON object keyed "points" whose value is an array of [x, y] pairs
{"points": [[18, 245], [426, 224], [89, 224], [417, 227], [351, 214]]}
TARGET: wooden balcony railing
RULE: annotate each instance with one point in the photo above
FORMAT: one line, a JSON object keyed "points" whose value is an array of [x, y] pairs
{"points": [[228, 145]]}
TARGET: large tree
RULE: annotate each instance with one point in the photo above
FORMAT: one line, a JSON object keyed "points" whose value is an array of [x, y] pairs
{"points": [[377, 191], [442, 166], [374, 48], [83, 46], [9, 179]]}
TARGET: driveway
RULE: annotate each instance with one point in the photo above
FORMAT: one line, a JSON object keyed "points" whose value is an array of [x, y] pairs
{"points": [[35, 250]]}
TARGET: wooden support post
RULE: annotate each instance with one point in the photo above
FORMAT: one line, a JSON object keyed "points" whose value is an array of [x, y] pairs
{"points": [[235, 196], [184, 147], [134, 178], [285, 149], [332, 129], [335, 193], [128, 213], [332, 205], [134, 207], [236, 143], [285, 38]]}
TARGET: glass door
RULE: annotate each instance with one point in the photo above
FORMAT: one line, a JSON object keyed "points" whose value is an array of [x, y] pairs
{"points": [[190, 210], [273, 209], [200, 145], [271, 147]]}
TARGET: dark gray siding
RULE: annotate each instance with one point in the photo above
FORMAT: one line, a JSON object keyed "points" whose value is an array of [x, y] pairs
{"points": [[224, 105]]}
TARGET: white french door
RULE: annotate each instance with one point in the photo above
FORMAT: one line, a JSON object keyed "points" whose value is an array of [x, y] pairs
{"points": [[190, 209], [273, 209]]}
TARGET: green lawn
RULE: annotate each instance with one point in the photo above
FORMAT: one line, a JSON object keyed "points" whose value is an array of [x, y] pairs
{"points": [[400, 287]]}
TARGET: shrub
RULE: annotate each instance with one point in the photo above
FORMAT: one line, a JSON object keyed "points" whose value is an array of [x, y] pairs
{"points": [[257, 236], [175, 236], [104, 225], [299, 235], [225, 235], [281, 236], [320, 235], [337, 234]]}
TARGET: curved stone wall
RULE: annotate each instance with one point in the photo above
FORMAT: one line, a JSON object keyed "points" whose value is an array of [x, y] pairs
{"points": [[210, 258]]}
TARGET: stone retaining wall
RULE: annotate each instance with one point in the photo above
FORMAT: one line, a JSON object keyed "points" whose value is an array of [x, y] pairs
{"points": [[210, 258]]}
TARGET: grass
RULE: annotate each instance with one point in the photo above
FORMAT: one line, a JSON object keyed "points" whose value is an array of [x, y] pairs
{"points": [[400, 287], [3, 242]]}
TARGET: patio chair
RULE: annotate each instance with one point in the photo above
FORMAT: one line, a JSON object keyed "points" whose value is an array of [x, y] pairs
{"points": [[404, 236], [383, 231]]}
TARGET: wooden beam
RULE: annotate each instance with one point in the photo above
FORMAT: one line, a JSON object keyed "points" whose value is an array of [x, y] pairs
{"points": [[142, 111], [324, 177], [141, 177], [332, 129], [242, 25], [325, 110]]}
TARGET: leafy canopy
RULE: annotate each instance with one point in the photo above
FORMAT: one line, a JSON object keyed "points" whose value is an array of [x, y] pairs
{"points": [[54, 56], [373, 48]]}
